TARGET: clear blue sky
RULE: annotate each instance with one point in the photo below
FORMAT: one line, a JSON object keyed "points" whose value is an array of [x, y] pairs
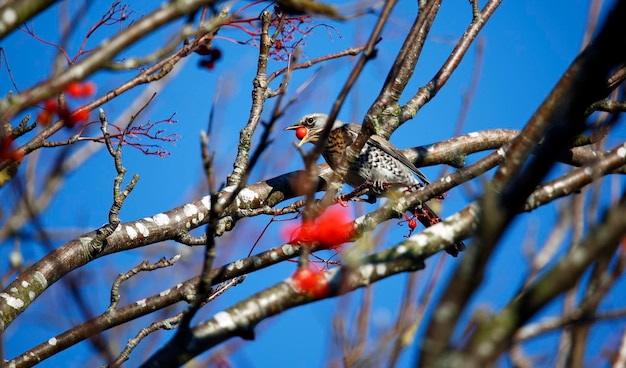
{"points": [[528, 45]]}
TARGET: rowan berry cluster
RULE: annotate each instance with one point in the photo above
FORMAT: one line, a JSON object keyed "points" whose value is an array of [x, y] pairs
{"points": [[52, 108]]}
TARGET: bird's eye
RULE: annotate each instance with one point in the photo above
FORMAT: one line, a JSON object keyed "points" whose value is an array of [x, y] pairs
{"points": [[310, 121]]}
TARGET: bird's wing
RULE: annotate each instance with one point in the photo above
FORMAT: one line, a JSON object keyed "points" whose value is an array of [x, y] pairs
{"points": [[383, 144]]}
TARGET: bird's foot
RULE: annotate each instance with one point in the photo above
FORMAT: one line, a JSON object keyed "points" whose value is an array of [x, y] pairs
{"points": [[342, 200], [356, 195]]}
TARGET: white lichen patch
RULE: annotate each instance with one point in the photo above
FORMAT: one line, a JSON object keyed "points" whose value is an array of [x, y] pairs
{"points": [[41, 280], [79, 71], [401, 249], [32, 295], [549, 190], [206, 201], [224, 320], [447, 233], [165, 292], [9, 16], [381, 269], [288, 249], [473, 134], [367, 271], [273, 256], [246, 195], [25, 284], [52, 341], [12, 302], [85, 240], [485, 348], [161, 219], [445, 311], [268, 299], [239, 264], [228, 189], [190, 210], [621, 152], [142, 229], [579, 256], [418, 240], [131, 232], [141, 302]]}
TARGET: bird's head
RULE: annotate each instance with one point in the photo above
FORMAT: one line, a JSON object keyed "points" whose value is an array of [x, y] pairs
{"points": [[309, 127]]}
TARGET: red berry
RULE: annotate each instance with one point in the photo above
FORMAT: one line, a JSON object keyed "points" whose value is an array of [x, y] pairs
{"points": [[301, 132], [412, 224]]}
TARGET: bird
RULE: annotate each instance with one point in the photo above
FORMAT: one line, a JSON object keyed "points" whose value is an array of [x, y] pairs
{"points": [[379, 165]]}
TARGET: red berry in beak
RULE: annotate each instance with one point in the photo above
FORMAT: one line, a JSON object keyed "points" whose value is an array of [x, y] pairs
{"points": [[301, 132]]}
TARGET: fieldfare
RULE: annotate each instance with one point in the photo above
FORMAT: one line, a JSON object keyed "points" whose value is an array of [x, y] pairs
{"points": [[379, 165]]}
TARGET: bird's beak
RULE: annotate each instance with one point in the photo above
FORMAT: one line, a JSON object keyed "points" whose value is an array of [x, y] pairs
{"points": [[303, 140]]}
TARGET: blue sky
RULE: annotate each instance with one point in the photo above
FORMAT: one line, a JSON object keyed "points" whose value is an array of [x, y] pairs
{"points": [[528, 45]]}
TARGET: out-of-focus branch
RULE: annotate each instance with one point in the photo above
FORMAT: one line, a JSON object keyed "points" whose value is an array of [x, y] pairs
{"points": [[383, 117], [555, 124], [493, 336], [428, 91], [14, 13]]}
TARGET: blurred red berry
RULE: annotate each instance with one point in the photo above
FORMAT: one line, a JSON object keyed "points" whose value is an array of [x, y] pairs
{"points": [[80, 116], [50, 105], [331, 229], [89, 89], [74, 89], [412, 224], [45, 117], [308, 280], [334, 227], [7, 152]]}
